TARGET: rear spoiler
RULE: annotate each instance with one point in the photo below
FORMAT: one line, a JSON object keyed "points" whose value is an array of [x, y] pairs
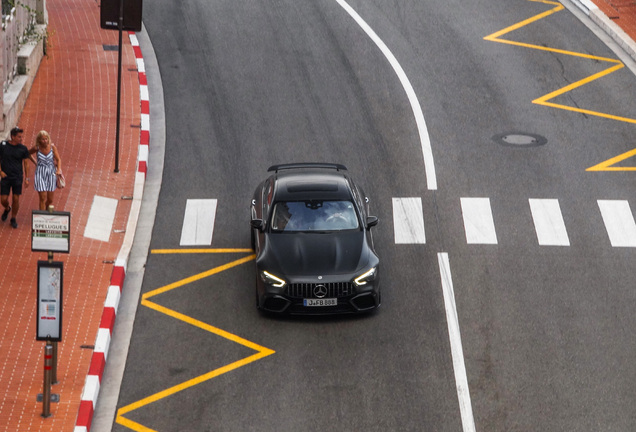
{"points": [[277, 168]]}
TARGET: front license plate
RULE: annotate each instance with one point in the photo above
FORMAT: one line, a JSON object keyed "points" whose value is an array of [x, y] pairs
{"points": [[321, 302]]}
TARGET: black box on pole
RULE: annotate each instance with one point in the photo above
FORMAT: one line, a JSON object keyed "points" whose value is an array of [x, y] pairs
{"points": [[109, 15]]}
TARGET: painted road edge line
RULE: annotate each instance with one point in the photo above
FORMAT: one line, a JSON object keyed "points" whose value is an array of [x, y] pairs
{"points": [[461, 381], [93, 380], [425, 140]]}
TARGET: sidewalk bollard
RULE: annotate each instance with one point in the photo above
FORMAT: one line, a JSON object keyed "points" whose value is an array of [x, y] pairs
{"points": [[46, 394]]}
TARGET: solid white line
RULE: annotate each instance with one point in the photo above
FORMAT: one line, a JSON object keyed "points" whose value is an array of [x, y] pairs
{"points": [[198, 222], [478, 222], [619, 222], [457, 352], [429, 165], [101, 218], [408, 221], [548, 222]]}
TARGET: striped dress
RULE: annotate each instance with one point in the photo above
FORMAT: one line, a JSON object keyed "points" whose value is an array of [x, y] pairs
{"points": [[45, 178]]}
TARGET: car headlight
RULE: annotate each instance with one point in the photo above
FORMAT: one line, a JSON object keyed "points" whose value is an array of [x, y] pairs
{"points": [[270, 279], [366, 277]]}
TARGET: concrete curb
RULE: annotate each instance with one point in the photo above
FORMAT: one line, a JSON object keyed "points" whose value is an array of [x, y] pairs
{"points": [[93, 381]]}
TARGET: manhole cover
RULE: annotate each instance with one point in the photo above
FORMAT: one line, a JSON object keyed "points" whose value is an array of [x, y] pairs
{"points": [[519, 139]]}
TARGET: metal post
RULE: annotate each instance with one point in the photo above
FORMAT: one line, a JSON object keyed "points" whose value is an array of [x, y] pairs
{"points": [[121, 26], [54, 359], [51, 253], [46, 394]]}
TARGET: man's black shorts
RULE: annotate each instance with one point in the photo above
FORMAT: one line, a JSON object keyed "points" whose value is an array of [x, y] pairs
{"points": [[7, 184]]}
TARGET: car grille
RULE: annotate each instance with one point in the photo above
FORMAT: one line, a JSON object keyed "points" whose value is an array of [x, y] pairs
{"points": [[306, 290]]}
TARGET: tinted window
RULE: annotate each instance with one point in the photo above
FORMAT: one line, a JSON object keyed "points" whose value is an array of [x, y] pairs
{"points": [[314, 216]]}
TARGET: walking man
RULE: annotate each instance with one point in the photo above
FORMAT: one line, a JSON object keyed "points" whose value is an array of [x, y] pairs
{"points": [[13, 167]]}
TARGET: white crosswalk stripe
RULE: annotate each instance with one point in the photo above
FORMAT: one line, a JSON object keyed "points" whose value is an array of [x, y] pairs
{"points": [[478, 222], [408, 221], [548, 222], [619, 222], [198, 222]]}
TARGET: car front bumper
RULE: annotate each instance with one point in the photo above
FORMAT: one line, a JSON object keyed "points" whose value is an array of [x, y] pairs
{"points": [[291, 299]]}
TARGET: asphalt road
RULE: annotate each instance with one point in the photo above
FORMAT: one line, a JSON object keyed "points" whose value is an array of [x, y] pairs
{"points": [[546, 331]]}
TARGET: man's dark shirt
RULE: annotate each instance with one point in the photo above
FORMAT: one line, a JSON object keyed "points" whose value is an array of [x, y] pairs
{"points": [[11, 157]]}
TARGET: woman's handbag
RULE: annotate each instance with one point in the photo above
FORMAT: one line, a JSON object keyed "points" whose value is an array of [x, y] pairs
{"points": [[61, 181]]}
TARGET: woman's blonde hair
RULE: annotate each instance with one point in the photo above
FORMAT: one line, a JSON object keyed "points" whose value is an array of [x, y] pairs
{"points": [[42, 134]]}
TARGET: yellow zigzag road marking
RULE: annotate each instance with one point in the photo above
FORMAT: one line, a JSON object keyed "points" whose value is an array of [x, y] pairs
{"points": [[196, 277], [545, 100], [188, 251], [260, 350], [607, 165]]}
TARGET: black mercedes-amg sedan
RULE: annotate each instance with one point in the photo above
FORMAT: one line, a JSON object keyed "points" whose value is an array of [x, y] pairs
{"points": [[311, 232]]}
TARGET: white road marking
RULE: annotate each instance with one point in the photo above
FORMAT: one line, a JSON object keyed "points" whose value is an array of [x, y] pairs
{"points": [[457, 352], [548, 222], [408, 221], [429, 164], [478, 221], [198, 222], [101, 218], [619, 222]]}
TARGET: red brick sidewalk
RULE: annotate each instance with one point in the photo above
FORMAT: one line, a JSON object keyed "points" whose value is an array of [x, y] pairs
{"points": [[621, 12], [74, 98]]}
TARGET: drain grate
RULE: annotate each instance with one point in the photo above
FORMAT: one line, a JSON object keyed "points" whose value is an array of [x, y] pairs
{"points": [[520, 139], [111, 47]]}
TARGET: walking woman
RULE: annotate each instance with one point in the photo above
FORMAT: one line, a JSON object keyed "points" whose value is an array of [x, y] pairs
{"points": [[48, 166]]}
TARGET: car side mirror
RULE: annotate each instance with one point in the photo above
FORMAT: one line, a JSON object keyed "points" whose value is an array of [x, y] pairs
{"points": [[372, 221], [257, 224]]}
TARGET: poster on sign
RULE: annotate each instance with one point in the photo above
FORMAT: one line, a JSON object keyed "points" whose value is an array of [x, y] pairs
{"points": [[49, 307]]}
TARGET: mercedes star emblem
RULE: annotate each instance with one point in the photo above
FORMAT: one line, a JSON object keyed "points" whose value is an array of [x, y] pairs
{"points": [[320, 291]]}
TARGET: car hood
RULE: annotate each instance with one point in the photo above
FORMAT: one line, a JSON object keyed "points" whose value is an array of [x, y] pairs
{"points": [[316, 253]]}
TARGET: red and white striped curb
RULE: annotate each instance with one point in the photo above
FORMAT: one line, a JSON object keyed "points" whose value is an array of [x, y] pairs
{"points": [[107, 323]]}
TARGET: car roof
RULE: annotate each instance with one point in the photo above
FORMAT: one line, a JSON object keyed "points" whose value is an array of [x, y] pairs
{"points": [[298, 182]]}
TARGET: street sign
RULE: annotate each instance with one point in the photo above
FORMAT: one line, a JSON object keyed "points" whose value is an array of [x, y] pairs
{"points": [[109, 15], [49, 307], [50, 231]]}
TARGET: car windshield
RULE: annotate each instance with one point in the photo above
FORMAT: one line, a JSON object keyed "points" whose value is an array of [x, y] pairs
{"points": [[314, 216]]}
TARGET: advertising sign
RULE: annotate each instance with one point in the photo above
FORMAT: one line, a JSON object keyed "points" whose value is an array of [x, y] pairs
{"points": [[50, 231], [49, 307]]}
